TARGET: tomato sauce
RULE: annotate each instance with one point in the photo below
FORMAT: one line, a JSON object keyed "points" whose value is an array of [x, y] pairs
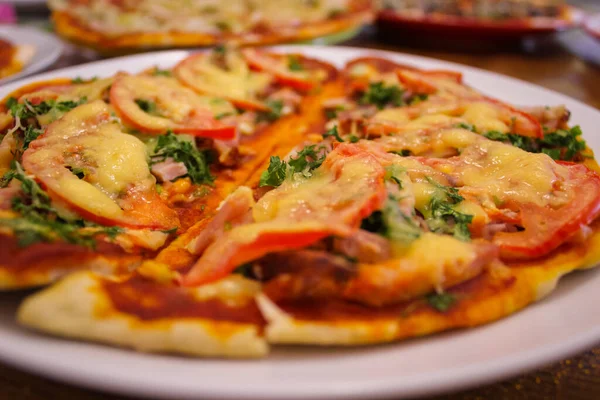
{"points": [[149, 300]]}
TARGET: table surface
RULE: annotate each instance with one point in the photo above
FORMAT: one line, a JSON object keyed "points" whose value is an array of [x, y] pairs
{"points": [[568, 63]]}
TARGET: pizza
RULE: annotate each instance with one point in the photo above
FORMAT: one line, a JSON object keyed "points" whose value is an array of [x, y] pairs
{"points": [[172, 211], [126, 25], [13, 57], [516, 17]]}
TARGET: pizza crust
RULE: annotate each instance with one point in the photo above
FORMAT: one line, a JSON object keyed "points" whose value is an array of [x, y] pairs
{"points": [[77, 307]]}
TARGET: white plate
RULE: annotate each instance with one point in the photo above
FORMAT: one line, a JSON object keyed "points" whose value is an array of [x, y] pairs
{"points": [[564, 323], [47, 48]]}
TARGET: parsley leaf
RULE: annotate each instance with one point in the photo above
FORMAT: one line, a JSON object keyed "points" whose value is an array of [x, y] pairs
{"points": [[27, 109], [441, 301], [79, 79], [442, 213], [393, 173], [30, 135], [418, 98], [443, 217], [306, 160], [560, 145], [403, 153], [467, 126], [381, 95], [392, 223], [275, 173], [161, 72], [294, 63], [276, 107], [333, 132], [148, 106], [568, 140], [195, 161]]}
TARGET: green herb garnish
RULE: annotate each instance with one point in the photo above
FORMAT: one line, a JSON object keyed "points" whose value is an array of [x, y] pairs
{"points": [[381, 95], [39, 221], [195, 161], [560, 145], [441, 301], [306, 160], [294, 63], [333, 132], [276, 107]]}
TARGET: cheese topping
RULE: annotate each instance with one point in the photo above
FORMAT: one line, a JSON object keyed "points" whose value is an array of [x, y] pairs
{"points": [[328, 192], [170, 102], [85, 142], [234, 82], [485, 117]]}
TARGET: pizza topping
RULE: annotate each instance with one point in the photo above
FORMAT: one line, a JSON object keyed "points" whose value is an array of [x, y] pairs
{"points": [[84, 160], [364, 247], [418, 272], [168, 170], [186, 160], [305, 161], [227, 75], [442, 302], [551, 118], [39, 221], [158, 104], [563, 144], [347, 187], [381, 95], [30, 118], [279, 65]]}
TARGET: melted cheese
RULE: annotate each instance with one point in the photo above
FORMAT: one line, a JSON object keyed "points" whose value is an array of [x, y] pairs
{"points": [[449, 252], [237, 82], [485, 117], [505, 172], [174, 103], [113, 162], [319, 196]]}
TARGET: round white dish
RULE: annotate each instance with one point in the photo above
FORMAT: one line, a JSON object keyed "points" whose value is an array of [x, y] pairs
{"points": [[564, 323], [47, 48]]}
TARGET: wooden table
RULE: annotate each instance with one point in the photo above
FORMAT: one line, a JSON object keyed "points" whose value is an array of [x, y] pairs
{"points": [[569, 64]]}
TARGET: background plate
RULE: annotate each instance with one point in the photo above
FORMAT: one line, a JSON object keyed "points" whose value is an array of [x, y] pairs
{"points": [[564, 323], [47, 48]]}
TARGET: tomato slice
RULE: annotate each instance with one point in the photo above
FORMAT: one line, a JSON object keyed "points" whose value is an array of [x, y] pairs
{"points": [[523, 123], [546, 228], [347, 188], [117, 187], [434, 81], [169, 106], [276, 64], [233, 80], [548, 201]]}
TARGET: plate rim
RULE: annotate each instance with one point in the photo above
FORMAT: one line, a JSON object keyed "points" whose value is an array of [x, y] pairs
{"points": [[32, 68], [499, 368]]}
